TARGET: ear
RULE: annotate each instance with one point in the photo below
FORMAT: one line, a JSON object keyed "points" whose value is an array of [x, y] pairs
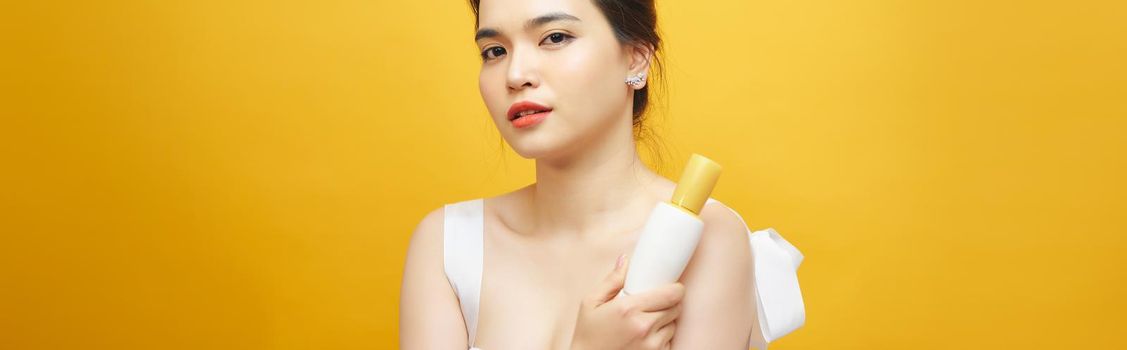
{"points": [[639, 56]]}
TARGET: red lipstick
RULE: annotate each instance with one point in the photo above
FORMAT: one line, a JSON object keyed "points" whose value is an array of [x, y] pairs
{"points": [[524, 114]]}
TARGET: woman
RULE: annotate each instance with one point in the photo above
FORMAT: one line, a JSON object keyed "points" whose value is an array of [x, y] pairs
{"points": [[539, 267]]}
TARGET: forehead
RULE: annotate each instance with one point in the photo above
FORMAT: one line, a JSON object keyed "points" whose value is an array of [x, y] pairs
{"points": [[503, 14]]}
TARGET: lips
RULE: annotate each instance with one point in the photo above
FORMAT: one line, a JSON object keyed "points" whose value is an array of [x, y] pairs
{"points": [[525, 108]]}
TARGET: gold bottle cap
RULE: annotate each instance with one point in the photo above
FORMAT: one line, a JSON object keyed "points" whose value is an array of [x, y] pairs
{"points": [[696, 183]]}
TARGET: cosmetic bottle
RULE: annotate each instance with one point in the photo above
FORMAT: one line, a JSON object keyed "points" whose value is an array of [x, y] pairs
{"points": [[673, 229]]}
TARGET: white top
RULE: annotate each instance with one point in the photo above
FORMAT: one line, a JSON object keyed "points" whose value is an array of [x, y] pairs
{"points": [[778, 299]]}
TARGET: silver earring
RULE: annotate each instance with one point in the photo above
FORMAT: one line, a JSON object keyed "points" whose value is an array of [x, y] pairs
{"points": [[636, 80]]}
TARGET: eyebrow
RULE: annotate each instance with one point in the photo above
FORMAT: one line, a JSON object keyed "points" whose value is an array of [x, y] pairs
{"points": [[532, 23]]}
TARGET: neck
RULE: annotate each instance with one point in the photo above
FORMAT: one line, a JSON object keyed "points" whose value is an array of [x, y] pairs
{"points": [[593, 190]]}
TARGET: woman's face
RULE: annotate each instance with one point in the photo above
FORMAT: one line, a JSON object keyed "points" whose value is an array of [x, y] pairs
{"points": [[557, 55]]}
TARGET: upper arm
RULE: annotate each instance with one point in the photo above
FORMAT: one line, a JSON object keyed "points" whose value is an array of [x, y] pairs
{"points": [[429, 314], [718, 310]]}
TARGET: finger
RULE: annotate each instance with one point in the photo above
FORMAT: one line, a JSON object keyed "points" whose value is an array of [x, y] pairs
{"points": [[660, 298], [663, 337], [613, 283], [666, 316]]}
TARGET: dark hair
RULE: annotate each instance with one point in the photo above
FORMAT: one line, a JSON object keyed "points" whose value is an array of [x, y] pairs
{"points": [[633, 22]]}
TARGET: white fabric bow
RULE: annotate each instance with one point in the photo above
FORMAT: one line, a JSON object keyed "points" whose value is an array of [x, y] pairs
{"points": [[778, 298]]}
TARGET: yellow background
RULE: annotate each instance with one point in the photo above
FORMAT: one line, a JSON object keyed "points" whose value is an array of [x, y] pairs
{"points": [[246, 175]]}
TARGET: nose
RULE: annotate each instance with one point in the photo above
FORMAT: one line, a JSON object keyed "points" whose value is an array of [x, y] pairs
{"points": [[522, 71]]}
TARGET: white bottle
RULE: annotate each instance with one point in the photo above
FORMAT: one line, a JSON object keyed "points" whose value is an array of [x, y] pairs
{"points": [[673, 230]]}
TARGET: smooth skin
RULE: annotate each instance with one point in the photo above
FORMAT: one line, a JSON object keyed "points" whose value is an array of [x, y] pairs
{"points": [[552, 247]]}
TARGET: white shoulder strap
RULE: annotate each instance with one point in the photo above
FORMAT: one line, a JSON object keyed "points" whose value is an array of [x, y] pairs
{"points": [[462, 249], [778, 299]]}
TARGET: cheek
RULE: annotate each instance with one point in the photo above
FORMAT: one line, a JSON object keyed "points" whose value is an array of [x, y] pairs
{"points": [[590, 82], [492, 87]]}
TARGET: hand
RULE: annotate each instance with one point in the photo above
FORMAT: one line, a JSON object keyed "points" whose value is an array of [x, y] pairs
{"points": [[644, 321]]}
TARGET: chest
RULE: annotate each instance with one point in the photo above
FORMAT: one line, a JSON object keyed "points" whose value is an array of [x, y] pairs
{"points": [[532, 288]]}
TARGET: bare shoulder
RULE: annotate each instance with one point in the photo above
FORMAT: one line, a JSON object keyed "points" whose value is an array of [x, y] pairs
{"points": [[424, 252], [724, 251], [722, 227], [429, 315], [428, 233], [718, 285], [725, 243]]}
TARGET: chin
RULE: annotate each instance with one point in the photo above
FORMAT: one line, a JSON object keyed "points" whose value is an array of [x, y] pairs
{"points": [[536, 146], [529, 149]]}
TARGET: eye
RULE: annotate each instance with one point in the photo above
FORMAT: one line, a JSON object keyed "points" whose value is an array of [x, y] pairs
{"points": [[556, 39], [492, 53]]}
